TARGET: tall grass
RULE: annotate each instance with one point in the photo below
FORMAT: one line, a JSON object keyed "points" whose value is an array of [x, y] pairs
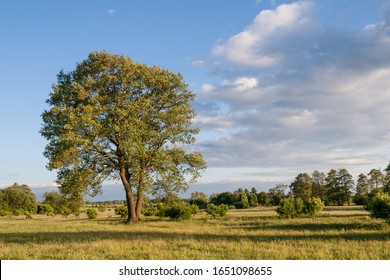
{"points": [[340, 233]]}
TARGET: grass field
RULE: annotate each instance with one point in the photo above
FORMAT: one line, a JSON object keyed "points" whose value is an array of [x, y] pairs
{"points": [[339, 233]]}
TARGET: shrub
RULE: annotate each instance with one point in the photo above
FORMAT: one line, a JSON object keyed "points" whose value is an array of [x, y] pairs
{"points": [[92, 213], [287, 208], [151, 210], [296, 207], [121, 211], [379, 206], [215, 211], [43, 208], [181, 212], [102, 208], [4, 213], [313, 206]]}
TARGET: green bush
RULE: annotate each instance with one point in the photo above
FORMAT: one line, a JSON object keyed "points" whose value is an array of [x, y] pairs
{"points": [[92, 213], [151, 210], [379, 206], [313, 206], [4, 213], [43, 208], [214, 211], [181, 212], [287, 208], [121, 211], [296, 207]]}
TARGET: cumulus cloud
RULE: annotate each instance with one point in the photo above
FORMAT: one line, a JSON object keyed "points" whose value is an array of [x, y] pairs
{"points": [[295, 94], [259, 44]]}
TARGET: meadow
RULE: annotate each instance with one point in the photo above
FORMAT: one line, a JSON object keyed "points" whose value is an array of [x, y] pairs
{"points": [[338, 233]]}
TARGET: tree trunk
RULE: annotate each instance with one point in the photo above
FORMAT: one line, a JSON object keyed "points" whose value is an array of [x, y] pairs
{"points": [[140, 195], [131, 217]]}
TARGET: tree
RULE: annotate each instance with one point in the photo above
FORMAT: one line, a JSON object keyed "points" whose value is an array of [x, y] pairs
{"points": [[362, 192], [376, 180], [345, 185], [386, 187], [302, 186], [252, 198], [226, 198], [277, 193], [112, 118], [200, 199], [331, 187], [61, 203], [319, 185], [263, 199], [18, 199]]}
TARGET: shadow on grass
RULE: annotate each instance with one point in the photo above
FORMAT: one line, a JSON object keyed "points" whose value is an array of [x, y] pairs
{"points": [[146, 236], [314, 227]]}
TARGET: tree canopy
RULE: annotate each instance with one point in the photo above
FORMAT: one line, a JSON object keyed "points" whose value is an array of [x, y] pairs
{"points": [[112, 118]]}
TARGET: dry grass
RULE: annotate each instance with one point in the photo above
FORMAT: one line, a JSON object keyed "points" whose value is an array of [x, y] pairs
{"points": [[340, 233]]}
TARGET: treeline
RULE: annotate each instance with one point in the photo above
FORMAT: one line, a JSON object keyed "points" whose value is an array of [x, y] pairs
{"points": [[20, 200], [336, 187]]}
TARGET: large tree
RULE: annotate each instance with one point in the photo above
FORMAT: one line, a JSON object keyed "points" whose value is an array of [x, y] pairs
{"points": [[302, 186], [112, 118]]}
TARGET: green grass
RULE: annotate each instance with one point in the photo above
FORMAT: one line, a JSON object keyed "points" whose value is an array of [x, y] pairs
{"points": [[339, 233]]}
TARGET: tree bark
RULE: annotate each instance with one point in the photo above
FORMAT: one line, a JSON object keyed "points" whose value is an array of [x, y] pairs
{"points": [[131, 217], [140, 195]]}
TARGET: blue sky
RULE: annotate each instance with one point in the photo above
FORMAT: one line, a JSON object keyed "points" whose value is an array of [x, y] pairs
{"points": [[282, 87]]}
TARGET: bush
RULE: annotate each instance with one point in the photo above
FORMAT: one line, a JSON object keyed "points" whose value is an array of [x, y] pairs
{"points": [[296, 207], [215, 211], [313, 206], [379, 206], [181, 212], [102, 208], [121, 211], [43, 208], [151, 210], [4, 213], [287, 208], [92, 213]]}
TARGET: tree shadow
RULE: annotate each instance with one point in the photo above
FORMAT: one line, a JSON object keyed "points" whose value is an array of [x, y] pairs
{"points": [[147, 236], [314, 226]]}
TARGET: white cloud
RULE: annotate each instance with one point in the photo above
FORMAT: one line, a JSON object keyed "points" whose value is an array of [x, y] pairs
{"points": [[300, 99], [207, 88], [258, 44]]}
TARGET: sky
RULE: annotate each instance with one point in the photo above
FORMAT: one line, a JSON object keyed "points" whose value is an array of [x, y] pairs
{"points": [[283, 87]]}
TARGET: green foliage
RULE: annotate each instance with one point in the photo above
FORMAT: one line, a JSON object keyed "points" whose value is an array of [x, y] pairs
{"points": [[18, 200], [215, 211], [296, 207], [102, 208], [200, 199], [121, 211], [180, 212], [276, 194], [288, 209], [302, 186], [4, 213], [61, 203], [92, 213], [114, 118], [43, 208], [313, 206], [263, 199], [223, 198], [379, 206]]}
